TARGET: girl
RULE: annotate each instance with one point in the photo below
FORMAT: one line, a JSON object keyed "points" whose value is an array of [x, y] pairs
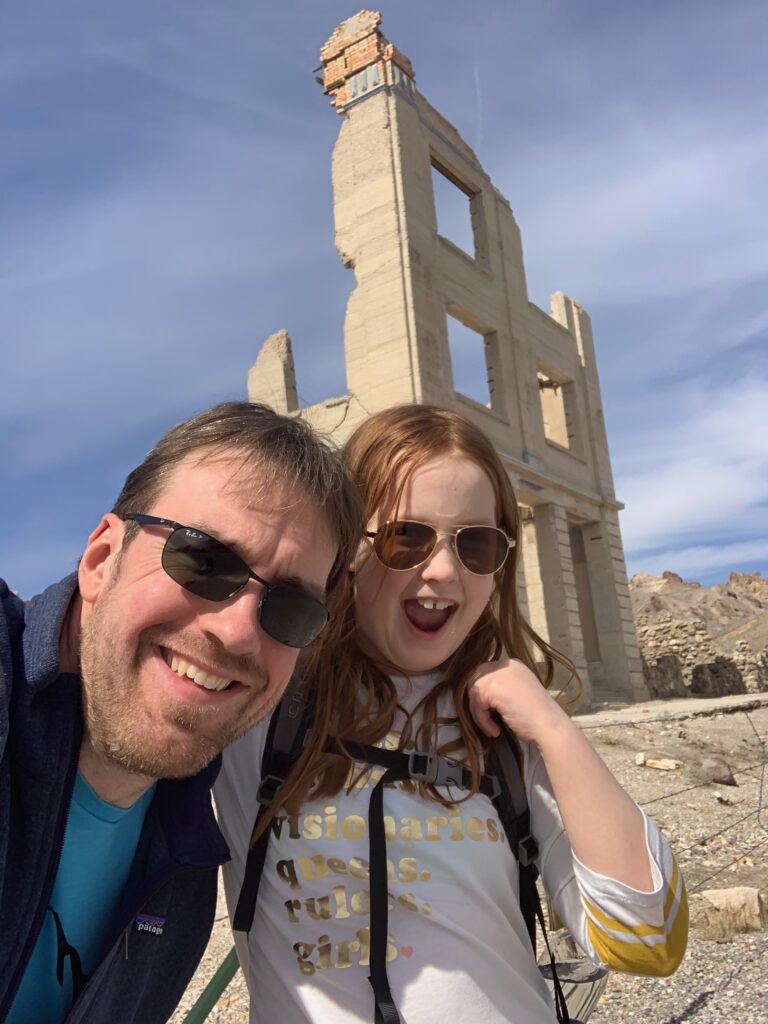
{"points": [[429, 653]]}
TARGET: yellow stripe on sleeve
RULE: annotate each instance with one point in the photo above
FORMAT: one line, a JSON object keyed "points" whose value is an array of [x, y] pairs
{"points": [[643, 949]]}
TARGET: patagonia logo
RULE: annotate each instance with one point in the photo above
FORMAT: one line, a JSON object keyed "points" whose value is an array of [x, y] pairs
{"points": [[148, 923]]}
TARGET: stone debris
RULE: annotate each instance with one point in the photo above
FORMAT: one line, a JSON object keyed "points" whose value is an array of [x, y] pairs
{"points": [[716, 769], [722, 913], [724, 799], [702, 641], [663, 764]]}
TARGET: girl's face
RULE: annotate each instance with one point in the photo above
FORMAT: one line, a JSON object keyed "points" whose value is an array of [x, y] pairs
{"points": [[417, 618]]}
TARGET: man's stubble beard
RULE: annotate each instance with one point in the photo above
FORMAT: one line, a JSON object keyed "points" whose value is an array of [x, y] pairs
{"points": [[119, 731]]}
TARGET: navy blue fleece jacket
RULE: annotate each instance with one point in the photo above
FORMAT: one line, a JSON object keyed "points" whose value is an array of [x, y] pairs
{"points": [[143, 973]]}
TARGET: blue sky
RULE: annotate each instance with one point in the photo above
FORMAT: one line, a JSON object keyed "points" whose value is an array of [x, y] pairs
{"points": [[166, 205]]}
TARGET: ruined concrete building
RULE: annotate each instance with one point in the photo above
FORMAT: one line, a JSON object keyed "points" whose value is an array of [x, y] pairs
{"points": [[542, 410]]}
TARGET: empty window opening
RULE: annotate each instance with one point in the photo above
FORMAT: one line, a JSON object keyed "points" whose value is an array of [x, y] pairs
{"points": [[363, 80], [556, 401], [400, 78], [471, 356], [454, 208]]}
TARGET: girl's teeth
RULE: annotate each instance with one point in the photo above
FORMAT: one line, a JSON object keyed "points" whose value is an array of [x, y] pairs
{"points": [[439, 605]]}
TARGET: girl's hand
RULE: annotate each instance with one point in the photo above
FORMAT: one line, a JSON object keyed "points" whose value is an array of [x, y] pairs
{"points": [[605, 827], [514, 693]]}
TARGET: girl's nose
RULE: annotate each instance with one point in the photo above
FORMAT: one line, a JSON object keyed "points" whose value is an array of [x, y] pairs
{"points": [[442, 564]]}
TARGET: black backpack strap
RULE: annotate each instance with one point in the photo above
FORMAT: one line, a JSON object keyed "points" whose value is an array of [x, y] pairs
{"points": [[515, 815], [385, 1010], [419, 766], [502, 783], [561, 1007], [400, 765], [512, 808], [287, 732]]}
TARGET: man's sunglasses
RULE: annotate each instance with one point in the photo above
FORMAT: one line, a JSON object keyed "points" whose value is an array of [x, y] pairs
{"points": [[404, 544], [207, 568]]}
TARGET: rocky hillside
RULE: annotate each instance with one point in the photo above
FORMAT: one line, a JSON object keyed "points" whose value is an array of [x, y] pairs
{"points": [[702, 641]]}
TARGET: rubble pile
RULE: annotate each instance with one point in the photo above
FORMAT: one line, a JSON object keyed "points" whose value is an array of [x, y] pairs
{"points": [[702, 641]]}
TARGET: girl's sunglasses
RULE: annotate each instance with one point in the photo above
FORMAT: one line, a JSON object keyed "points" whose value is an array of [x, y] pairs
{"points": [[404, 544], [205, 567]]}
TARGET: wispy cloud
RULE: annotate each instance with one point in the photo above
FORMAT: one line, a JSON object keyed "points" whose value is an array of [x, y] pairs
{"points": [[654, 213], [702, 561], [699, 475], [151, 283], [167, 204]]}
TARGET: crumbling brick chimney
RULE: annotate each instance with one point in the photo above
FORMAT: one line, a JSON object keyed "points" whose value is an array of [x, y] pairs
{"points": [[358, 59]]}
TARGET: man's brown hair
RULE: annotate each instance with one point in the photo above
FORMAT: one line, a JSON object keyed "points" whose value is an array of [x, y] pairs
{"points": [[282, 450]]}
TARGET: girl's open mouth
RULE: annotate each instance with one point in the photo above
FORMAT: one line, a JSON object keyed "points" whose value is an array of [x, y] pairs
{"points": [[428, 614]]}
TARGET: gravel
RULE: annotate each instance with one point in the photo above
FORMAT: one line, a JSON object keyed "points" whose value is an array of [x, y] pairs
{"points": [[720, 836], [717, 983]]}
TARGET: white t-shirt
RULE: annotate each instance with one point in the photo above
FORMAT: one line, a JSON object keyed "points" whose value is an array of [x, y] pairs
{"points": [[458, 949]]}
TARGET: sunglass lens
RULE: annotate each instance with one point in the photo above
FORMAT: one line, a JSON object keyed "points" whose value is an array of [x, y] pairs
{"points": [[404, 545], [292, 617], [202, 565], [482, 549]]}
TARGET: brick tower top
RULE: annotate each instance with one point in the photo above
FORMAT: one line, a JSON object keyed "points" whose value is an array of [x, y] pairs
{"points": [[358, 59]]}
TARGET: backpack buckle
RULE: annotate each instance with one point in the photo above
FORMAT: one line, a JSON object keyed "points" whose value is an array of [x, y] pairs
{"points": [[527, 850], [424, 766], [268, 789]]}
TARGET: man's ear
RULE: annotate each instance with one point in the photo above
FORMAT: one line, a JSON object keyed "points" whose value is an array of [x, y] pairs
{"points": [[98, 559]]}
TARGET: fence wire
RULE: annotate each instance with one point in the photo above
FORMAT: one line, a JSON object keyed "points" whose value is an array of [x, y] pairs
{"points": [[758, 813]]}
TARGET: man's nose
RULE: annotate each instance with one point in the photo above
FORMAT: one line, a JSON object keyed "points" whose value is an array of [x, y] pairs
{"points": [[235, 622]]}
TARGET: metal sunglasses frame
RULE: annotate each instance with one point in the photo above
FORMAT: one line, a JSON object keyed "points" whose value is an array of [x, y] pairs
{"points": [[146, 520], [438, 534]]}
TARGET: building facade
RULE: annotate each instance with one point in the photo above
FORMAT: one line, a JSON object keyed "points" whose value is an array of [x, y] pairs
{"points": [[414, 290]]}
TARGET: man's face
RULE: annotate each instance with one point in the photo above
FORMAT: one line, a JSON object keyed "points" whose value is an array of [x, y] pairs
{"points": [[145, 715]]}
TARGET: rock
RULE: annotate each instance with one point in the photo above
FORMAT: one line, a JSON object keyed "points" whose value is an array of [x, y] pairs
{"points": [[702, 641], [725, 800], [722, 913], [640, 760], [664, 677], [563, 947], [716, 769], [663, 764], [717, 678]]}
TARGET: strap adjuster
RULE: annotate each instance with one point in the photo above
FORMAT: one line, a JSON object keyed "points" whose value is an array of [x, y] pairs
{"points": [[424, 766], [527, 850], [268, 789]]}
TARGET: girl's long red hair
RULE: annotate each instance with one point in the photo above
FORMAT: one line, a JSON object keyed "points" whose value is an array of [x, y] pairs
{"points": [[355, 697]]}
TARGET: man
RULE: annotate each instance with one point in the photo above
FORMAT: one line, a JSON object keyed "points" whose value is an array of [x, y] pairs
{"points": [[120, 685]]}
